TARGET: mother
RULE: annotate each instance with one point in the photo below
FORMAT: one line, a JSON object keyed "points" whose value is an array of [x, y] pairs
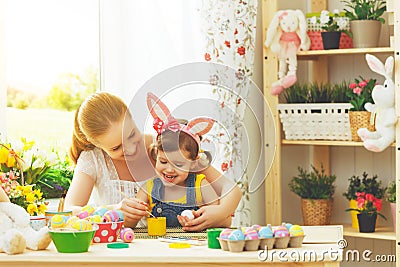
{"points": [[111, 157]]}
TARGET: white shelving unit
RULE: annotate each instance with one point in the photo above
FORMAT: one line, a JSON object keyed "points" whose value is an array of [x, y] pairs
{"points": [[321, 149]]}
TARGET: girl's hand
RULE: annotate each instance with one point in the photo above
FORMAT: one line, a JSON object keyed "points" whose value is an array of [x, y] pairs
{"points": [[133, 209], [205, 217]]}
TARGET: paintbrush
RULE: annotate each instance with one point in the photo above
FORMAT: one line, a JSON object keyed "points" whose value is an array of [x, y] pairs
{"points": [[61, 202], [125, 196]]}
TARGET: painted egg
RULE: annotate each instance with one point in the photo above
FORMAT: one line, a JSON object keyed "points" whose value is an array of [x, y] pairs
{"points": [[100, 211], [225, 233], [265, 232], [82, 225], [95, 218], [71, 220], [57, 221], [296, 230], [111, 216], [120, 215], [250, 234], [281, 231], [188, 213], [256, 227], [89, 209], [127, 234], [236, 235]]}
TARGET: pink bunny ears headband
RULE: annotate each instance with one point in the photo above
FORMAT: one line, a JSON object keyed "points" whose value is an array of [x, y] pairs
{"points": [[163, 120]]}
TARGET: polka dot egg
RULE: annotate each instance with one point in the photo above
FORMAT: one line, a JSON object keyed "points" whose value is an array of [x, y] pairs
{"points": [[127, 234], [281, 231]]}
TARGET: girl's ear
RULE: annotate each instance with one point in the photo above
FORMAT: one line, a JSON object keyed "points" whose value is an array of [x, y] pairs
{"points": [[157, 108]]}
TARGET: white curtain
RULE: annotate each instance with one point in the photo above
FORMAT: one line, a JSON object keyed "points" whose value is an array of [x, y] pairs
{"points": [[230, 28]]}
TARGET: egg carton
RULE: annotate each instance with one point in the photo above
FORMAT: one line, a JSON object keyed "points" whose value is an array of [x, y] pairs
{"points": [[261, 243]]}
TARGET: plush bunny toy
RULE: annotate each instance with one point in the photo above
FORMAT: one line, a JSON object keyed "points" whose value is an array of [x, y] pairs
{"points": [[15, 231], [383, 96], [286, 34]]}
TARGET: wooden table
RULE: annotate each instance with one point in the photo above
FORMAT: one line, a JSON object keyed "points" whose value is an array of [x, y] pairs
{"points": [[145, 252]]}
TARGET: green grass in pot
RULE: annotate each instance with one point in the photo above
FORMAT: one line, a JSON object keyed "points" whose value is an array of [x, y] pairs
{"points": [[314, 184]]}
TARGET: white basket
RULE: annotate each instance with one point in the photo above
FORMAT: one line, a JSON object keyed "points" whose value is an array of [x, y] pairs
{"points": [[322, 121]]}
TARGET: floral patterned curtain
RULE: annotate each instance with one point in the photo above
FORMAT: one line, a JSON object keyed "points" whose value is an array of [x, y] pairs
{"points": [[230, 29]]}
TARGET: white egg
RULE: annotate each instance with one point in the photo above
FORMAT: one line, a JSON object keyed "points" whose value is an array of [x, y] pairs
{"points": [[188, 213]]}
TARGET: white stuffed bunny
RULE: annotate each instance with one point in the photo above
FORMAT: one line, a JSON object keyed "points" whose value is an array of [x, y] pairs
{"points": [[15, 231], [286, 34], [383, 96]]}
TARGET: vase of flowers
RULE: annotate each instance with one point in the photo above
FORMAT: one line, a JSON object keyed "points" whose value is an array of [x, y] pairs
{"points": [[365, 21], [369, 208], [359, 94], [332, 25]]}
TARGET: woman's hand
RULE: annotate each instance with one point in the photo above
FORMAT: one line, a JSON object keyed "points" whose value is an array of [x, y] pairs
{"points": [[205, 217], [133, 209]]}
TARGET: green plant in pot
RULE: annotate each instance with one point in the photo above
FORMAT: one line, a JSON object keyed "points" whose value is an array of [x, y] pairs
{"points": [[315, 188], [391, 198], [365, 21], [366, 184]]}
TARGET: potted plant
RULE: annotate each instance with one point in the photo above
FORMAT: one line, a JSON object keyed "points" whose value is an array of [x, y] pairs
{"points": [[391, 198], [365, 21], [368, 207], [332, 25], [359, 94], [366, 184], [315, 188]]}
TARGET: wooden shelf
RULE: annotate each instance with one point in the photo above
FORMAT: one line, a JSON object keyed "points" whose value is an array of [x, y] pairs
{"points": [[383, 233], [323, 143], [314, 54]]}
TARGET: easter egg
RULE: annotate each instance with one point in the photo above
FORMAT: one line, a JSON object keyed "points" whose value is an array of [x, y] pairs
{"points": [[120, 215], [281, 231], [83, 214], [111, 216], [296, 230], [287, 225], [256, 227], [89, 209], [127, 234], [57, 221], [236, 235], [188, 213], [71, 220], [100, 211], [82, 225], [250, 234], [95, 218], [265, 232], [225, 233]]}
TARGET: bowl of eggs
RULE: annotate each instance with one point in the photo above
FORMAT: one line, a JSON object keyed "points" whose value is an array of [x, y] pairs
{"points": [[72, 241]]}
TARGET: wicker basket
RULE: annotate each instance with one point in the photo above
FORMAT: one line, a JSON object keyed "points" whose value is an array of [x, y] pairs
{"points": [[316, 211], [322, 121], [360, 119]]}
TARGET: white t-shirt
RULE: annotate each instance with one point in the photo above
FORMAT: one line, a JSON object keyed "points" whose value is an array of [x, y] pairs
{"points": [[100, 167]]}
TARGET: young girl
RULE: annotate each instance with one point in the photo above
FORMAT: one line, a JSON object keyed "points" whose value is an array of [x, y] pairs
{"points": [[177, 152], [106, 145]]}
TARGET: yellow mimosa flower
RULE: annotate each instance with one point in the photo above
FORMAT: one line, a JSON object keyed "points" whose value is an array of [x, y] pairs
{"points": [[38, 193], [10, 161], [3, 155], [42, 208], [30, 197], [32, 209]]}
